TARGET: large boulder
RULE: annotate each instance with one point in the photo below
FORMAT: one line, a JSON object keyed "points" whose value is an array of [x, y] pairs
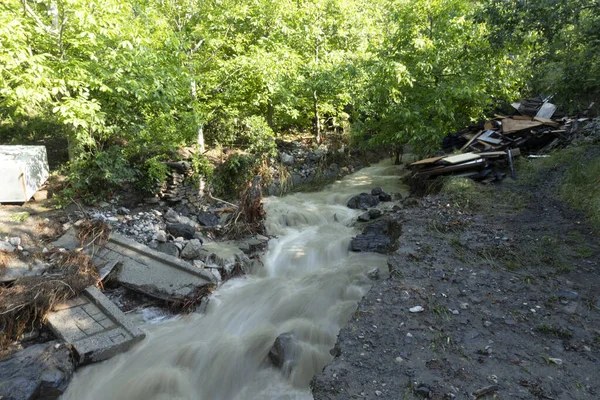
{"points": [[208, 219], [181, 230], [363, 201], [379, 237], [192, 249], [381, 195], [285, 352], [42, 371]]}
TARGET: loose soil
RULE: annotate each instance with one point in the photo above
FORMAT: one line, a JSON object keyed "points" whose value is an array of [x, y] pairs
{"points": [[510, 300]]}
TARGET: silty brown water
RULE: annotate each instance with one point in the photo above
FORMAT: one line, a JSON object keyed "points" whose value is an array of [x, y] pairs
{"points": [[309, 285]]}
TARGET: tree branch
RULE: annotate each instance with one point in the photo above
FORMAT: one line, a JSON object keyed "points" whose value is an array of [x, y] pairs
{"points": [[37, 19]]}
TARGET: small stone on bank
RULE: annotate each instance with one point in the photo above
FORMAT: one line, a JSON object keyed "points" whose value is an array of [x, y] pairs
{"points": [[416, 309]]}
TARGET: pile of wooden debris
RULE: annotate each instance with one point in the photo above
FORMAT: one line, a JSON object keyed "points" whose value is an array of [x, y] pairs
{"points": [[484, 150]]}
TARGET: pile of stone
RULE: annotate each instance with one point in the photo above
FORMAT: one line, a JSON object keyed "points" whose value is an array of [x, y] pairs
{"points": [[178, 187], [380, 235]]}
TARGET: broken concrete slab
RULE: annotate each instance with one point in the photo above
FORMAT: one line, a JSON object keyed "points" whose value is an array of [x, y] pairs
{"points": [[94, 326], [41, 371], [151, 272], [17, 268]]}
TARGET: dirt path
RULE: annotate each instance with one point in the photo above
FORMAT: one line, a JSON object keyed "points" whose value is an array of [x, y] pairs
{"points": [[510, 300]]}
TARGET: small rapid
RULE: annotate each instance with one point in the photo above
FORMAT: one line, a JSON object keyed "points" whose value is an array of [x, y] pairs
{"points": [[309, 285]]}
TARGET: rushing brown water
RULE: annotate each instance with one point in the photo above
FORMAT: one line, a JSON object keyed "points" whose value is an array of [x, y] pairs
{"points": [[309, 285]]}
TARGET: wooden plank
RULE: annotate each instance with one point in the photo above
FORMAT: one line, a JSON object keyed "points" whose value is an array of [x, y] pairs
{"points": [[471, 141], [546, 121], [427, 161], [492, 154], [522, 117], [461, 158], [510, 125], [452, 168]]}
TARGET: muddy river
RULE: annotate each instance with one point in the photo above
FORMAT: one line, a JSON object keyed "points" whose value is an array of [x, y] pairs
{"points": [[309, 285]]}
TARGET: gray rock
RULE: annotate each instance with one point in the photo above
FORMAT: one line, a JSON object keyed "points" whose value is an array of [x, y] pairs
{"points": [[379, 236], [192, 249], [285, 352], [208, 219], [41, 371], [375, 213], [5, 246], [286, 159], [168, 248], [171, 217], [15, 241], [123, 211], [364, 217], [363, 201], [373, 274], [161, 236], [181, 230]]}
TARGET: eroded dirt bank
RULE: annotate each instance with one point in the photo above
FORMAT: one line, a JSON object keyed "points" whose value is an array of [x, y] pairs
{"points": [[495, 301]]}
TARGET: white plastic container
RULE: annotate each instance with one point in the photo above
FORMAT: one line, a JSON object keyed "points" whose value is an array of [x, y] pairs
{"points": [[23, 170]]}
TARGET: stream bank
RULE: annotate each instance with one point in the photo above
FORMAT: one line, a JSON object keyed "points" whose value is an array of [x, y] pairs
{"points": [[494, 301]]}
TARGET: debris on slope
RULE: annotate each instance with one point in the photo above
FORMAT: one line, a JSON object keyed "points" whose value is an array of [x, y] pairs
{"points": [[486, 150]]}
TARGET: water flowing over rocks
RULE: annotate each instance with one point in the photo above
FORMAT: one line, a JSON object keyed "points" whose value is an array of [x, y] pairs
{"points": [[363, 201], [306, 284]]}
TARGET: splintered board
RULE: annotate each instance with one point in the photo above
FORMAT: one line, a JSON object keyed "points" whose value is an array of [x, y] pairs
{"points": [[461, 158], [510, 125]]}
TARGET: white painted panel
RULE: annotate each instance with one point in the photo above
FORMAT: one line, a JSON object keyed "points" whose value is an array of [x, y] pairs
{"points": [[23, 169]]}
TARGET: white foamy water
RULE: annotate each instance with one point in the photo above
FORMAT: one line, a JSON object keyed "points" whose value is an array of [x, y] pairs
{"points": [[309, 285]]}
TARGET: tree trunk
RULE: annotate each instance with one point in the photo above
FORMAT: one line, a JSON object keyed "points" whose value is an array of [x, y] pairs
{"points": [[270, 112], [316, 117]]}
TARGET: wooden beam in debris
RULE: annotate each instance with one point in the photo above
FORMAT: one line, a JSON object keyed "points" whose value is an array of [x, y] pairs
{"points": [[474, 164], [426, 161], [510, 125], [461, 158]]}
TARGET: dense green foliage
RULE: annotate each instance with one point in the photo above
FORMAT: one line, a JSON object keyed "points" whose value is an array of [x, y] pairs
{"points": [[127, 82]]}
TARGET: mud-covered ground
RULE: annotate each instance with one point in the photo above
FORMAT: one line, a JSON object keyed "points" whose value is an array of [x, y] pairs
{"points": [[510, 292]]}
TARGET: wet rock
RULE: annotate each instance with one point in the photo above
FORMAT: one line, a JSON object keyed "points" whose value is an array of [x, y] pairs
{"points": [[363, 201], [381, 195], [181, 230], [379, 236], [192, 249], [373, 274], [375, 213], [364, 217], [284, 352], [168, 248], [208, 219], [41, 371]]}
